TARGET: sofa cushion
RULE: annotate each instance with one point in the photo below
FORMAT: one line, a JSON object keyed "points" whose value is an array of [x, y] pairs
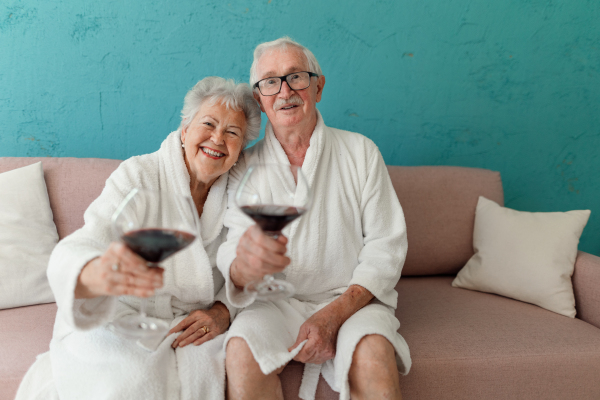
{"points": [[25, 332], [527, 256], [473, 345], [439, 208], [27, 237], [72, 183]]}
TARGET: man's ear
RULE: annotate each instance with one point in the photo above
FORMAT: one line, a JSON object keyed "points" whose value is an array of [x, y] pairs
{"points": [[320, 86], [257, 98]]}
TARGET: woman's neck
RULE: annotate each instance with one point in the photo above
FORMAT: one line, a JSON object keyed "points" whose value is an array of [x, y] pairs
{"points": [[199, 192]]}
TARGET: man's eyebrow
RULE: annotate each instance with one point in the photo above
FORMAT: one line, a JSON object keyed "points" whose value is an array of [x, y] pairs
{"points": [[291, 70]]}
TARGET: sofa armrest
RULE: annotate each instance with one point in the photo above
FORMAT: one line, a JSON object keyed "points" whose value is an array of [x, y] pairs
{"points": [[586, 286]]}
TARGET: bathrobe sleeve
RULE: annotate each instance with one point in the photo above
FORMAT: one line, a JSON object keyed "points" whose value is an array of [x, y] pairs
{"points": [[75, 251], [381, 259], [237, 223]]}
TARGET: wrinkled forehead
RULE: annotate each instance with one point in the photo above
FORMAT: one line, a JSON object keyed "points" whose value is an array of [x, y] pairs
{"points": [[281, 61]]}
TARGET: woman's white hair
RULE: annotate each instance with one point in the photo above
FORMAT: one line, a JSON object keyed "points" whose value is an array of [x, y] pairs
{"points": [[282, 43], [235, 96]]}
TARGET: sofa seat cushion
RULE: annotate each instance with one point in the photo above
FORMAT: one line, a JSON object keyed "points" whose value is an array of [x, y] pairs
{"points": [[25, 332], [473, 345]]}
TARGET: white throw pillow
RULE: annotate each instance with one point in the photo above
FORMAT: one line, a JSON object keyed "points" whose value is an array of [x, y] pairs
{"points": [[527, 256], [27, 237]]}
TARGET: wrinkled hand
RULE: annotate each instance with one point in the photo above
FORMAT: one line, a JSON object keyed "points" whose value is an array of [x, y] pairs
{"points": [[257, 256], [321, 330], [216, 319], [133, 277]]}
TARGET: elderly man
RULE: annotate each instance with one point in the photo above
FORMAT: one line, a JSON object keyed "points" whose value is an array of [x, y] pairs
{"points": [[344, 256]]}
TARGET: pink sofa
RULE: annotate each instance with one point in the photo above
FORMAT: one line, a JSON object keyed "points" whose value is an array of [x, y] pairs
{"points": [[464, 344]]}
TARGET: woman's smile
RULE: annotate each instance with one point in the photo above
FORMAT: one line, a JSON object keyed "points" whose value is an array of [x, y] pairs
{"points": [[210, 153]]}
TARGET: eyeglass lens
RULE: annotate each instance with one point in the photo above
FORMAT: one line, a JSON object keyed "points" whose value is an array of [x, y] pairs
{"points": [[296, 81]]}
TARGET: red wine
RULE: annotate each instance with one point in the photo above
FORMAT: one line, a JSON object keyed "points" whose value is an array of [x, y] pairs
{"points": [[272, 218], [154, 245]]}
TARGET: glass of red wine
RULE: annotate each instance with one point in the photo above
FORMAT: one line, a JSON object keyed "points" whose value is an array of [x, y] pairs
{"points": [[273, 195], [154, 225]]}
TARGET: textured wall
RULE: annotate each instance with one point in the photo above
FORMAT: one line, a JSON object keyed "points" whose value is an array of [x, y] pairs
{"points": [[511, 85]]}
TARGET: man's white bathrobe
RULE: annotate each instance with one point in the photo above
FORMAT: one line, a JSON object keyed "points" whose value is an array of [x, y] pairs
{"points": [[354, 234], [88, 360]]}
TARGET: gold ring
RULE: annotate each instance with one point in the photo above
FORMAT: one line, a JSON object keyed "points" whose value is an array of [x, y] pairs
{"points": [[205, 329]]}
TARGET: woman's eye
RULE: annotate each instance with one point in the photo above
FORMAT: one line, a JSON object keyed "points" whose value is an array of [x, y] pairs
{"points": [[235, 133], [208, 124]]}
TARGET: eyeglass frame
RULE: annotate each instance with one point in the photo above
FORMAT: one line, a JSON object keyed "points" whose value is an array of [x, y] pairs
{"points": [[282, 79]]}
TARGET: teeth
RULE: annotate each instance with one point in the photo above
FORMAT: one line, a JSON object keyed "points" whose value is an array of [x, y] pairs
{"points": [[212, 153]]}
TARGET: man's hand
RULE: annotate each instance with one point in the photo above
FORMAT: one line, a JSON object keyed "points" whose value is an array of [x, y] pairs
{"points": [[322, 328], [321, 331], [257, 256]]}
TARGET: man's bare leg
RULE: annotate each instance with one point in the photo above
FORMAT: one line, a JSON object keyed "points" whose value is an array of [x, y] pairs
{"points": [[245, 380], [373, 373]]}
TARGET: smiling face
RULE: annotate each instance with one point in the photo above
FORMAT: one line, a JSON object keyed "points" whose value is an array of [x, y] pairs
{"points": [[213, 141], [289, 108]]}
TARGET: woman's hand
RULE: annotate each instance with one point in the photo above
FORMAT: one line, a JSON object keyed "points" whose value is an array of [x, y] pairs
{"points": [[257, 256], [202, 325], [119, 271]]}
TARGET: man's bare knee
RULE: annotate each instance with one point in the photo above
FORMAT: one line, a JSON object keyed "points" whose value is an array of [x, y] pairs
{"points": [[376, 347], [245, 379], [237, 348], [373, 373]]}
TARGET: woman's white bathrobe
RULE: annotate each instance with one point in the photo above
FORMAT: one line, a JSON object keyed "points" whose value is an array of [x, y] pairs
{"points": [[88, 360], [354, 234]]}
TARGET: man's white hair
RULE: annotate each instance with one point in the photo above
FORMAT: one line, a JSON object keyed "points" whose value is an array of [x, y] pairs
{"points": [[282, 43], [235, 96]]}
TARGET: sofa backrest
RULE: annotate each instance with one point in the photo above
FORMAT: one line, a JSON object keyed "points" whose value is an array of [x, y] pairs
{"points": [[73, 183], [438, 202], [439, 207]]}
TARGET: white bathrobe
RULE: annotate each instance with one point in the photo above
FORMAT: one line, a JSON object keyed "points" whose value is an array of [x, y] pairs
{"points": [[88, 360], [354, 234]]}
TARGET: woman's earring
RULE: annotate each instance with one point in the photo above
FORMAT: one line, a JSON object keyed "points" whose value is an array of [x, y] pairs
{"points": [[183, 145]]}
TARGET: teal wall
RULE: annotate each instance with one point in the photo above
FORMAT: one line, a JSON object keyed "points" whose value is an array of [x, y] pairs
{"points": [[512, 85]]}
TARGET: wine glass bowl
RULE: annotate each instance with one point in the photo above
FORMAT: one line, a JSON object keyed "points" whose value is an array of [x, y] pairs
{"points": [[154, 225], [273, 195]]}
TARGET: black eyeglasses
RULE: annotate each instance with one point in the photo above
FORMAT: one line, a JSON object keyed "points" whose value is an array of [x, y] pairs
{"points": [[296, 81]]}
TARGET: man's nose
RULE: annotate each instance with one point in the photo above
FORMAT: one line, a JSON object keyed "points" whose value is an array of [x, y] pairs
{"points": [[286, 90]]}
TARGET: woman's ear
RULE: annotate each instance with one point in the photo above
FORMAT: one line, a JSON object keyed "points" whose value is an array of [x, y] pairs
{"points": [[183, 131]]}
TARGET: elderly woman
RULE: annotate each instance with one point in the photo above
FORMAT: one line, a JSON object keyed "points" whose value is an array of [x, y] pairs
{"points": [[97, 280]]}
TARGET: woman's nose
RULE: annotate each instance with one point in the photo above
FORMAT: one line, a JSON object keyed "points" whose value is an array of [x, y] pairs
{"points": [[218, 136]]}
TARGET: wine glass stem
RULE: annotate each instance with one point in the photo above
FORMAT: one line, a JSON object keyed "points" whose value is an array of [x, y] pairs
{"points": [[274, 235], [143, 308]]}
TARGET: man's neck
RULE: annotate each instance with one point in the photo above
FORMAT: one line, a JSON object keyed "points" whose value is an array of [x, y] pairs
{"points": [[295, 140]]}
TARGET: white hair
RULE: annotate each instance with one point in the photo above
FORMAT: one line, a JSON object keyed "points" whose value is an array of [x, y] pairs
{"points": [[235, 96], [282, 43]]}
